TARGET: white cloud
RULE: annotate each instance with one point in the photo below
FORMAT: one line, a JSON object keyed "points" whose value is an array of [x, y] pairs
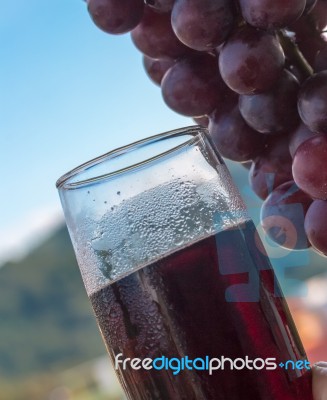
{"points": [[18, 239]]}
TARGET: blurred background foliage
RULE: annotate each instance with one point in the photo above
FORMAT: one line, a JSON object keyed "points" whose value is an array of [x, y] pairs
{"points": [[48, 332]]}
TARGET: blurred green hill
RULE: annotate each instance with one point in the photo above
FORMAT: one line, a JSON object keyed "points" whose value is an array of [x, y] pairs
{"points": [[46, 320]]}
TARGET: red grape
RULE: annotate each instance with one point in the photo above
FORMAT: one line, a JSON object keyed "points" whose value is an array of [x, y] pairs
{"points": [[271, 14], [156, 69], [234, 139], [251, 60], [272, 168], [155, 38], [282, 216], [313, 102], [310, 167], [274, 111], [192, 86], [160, 5], [116, 16], [316, 227], [300, 135], [202, 24]]}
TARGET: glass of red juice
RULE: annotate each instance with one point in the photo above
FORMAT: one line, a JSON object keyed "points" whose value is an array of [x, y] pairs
{"points": [[184, 294]]}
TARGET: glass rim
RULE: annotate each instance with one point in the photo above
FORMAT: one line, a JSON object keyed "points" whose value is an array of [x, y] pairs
{"points": [[194, 130]]}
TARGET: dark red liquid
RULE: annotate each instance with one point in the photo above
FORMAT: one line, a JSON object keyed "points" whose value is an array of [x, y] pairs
{"points": [[217, 297]]}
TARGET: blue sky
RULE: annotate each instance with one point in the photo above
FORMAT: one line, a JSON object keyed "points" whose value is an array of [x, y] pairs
{"points": [[68, 92]]}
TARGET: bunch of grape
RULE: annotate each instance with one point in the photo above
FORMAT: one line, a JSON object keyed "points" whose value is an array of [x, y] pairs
{"points": [[255, 73]]}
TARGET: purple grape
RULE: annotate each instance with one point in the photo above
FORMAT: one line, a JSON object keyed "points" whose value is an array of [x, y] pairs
{"points": [[160, 5], [271, 14], [156, 69], [155, 38], [202, 24], [316, 227], [313, 102], [300, 135], [234, 139], [310, 167], [274, 111], [272, 168], [251, 61], [282, 216], [192, 86], [116, 16]]}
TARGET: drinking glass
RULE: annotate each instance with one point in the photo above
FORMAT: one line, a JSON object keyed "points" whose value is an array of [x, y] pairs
{"points": [[183, 292]]}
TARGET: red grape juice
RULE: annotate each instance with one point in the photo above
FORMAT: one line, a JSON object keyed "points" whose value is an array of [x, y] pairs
{"points": [[216, 298]]}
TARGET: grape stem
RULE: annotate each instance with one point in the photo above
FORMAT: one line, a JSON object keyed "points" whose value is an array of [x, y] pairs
{"points": [[292, 51]]}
